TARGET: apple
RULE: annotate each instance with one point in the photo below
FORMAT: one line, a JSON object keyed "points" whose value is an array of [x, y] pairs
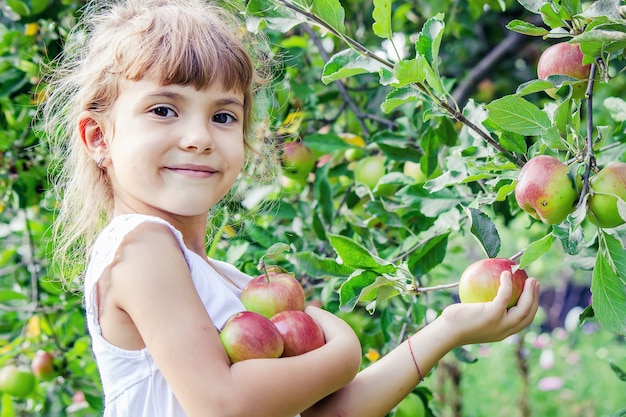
{"points": [[17, 382], [298, 159], [271, 293], [248, 335], [410, 406], [369, 170], [480, 281], [546, 189], [606, 186], [353, 154], [42, 365], [299, 331], [564, 59], [414, 170]]}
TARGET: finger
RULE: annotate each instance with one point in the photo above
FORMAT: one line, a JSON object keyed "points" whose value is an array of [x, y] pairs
{"points": [[503, 296], [527, 306]]}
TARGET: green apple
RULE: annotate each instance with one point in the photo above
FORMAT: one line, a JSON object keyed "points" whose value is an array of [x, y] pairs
{"points": [[354, 154], [480, 281], [410, 406], [607, 185], [271, 293], [546, 189], [564, 59], [369, 170], [17, 382], [249, 335]]}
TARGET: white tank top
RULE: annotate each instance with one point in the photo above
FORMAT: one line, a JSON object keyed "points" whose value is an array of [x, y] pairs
{"points": [[132, 384]]}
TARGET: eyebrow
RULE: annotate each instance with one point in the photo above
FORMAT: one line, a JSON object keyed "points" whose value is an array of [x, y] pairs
{"points": [[176, 96]]}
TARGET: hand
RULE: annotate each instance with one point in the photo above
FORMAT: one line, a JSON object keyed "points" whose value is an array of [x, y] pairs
{"points": [[492, 321]]}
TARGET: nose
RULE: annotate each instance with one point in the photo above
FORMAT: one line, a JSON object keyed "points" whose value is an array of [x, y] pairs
{"points": [[198, 137]]}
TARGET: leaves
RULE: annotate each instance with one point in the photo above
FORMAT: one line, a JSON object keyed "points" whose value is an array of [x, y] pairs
{"points": [[608, 284], [518, 115], [382, 19], [484, 231]]}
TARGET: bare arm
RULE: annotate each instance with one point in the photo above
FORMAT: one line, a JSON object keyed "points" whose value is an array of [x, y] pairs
{"points": [[150, 282], [379, 387]]}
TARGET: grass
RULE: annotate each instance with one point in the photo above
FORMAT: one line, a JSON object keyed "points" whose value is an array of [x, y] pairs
{"points": [[576, 363]]}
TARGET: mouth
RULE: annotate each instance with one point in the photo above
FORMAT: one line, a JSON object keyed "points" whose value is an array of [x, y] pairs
{"points": [[193, 170]]}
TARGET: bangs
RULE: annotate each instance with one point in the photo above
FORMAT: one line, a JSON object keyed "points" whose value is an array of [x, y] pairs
{"points": [[186, 52]]}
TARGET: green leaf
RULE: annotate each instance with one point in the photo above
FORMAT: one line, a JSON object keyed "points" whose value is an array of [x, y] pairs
{"points": [[532, 5], [621, 374], [429, 41], [354, 255], [276, 250], [323, 195], [533, 86], [331, 12], [7, 409], [513, 142], [571, 238], [348, 63], [19, 7], [518, 115], [603, 8], [608, 284], [616, 107], [409, 71], [484, 230], [351, 290], [316, 266], [526, 28], [382, 19], [535, 250], [428, 254], [277, 17], [399, 96]]}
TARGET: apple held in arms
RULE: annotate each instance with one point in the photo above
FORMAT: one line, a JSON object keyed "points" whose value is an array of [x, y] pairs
{"points": [[481, 280], [274, 324], [546, 189], [273, 292]]}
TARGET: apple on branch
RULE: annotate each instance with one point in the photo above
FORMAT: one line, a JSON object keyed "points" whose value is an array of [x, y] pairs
{"points": [[298, 160], [607, 185], [249, 335], [273, 292], [564, 59], [16, 381], [480, 281], [546, 189], [299, 331], [42, 365]]}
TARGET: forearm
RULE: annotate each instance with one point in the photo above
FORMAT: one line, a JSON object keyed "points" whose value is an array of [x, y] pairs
{"points": [[379, 387]]}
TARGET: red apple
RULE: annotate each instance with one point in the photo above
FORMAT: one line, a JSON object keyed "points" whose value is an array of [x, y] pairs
{"points": [[248, 335], [546, 189], [273, 292], [42, 365], [481, 280], [17, 382], [606, 186], [298, 160], [299, 331], [564, 59]]}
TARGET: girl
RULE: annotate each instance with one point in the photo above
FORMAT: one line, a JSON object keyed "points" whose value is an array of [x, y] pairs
{"points": [[151, 110]]}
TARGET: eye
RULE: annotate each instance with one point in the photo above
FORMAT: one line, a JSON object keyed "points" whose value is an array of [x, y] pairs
{"points": [[224, 118], [163, 111]]}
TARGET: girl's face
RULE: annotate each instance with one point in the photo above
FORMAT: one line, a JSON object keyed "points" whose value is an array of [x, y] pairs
{"points": [[175, 150]]}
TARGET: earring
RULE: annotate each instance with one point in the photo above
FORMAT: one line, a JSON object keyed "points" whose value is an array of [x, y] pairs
{"points": [[100, 161]]}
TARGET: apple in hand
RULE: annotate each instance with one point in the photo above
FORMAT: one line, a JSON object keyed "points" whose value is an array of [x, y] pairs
{"points": [[546, 189], [606, 186], [564, 59], [249, 335], [271, 293], [299, 331], [481, 280], [42, 365], [17, 382], [298, 159]]}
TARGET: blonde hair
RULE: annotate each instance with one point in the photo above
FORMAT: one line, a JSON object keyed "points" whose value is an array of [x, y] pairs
{"points": [[187, 42]]}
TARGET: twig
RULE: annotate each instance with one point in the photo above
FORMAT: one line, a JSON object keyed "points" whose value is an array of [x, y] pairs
{"points": [[591, 160], [421, 290]]}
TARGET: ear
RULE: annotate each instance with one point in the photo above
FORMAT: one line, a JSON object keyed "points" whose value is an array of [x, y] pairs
{"points": [[92, 135]]}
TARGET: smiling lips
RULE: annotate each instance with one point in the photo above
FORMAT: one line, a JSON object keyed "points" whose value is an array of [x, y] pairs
{"points": [[193, 170]]}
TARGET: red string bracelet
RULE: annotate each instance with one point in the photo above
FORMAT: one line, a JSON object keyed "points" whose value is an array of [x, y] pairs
{"points": [[414, 361]]}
